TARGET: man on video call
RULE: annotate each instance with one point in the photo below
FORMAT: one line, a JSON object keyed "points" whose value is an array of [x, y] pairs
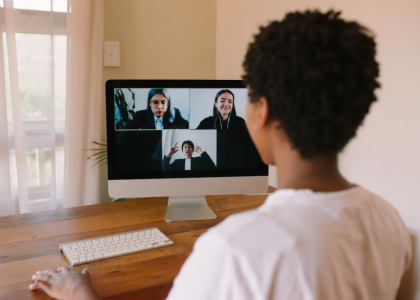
{"points": [[188, 163], [311, 79]]}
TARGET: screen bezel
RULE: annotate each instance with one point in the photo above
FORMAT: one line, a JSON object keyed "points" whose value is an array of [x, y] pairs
{"points": [[113, 174]]}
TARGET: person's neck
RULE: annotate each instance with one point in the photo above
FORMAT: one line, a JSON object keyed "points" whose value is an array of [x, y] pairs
{"points": [[224, 117], [318, 173]]}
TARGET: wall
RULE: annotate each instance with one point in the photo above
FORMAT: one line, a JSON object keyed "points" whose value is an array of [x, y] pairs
{"points": [[160, 39], [385, 155]]}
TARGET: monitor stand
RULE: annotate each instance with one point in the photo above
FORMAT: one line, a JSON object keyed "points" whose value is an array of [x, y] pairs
{"points": [[190, 208]]}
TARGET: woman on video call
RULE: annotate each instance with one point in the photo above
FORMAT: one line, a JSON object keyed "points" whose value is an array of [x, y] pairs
{"points": [[224, 114], [204, 162], [159, 114], [234, 146]]}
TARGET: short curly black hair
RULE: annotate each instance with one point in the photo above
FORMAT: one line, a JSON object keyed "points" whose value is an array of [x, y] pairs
{"points": [[318, 74]]}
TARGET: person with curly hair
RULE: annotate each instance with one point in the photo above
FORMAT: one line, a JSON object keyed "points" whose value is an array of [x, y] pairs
{"points": [[311, 80]]}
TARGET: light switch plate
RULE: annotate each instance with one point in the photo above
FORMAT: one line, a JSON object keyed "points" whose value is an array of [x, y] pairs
{"points": [[111, 54]]}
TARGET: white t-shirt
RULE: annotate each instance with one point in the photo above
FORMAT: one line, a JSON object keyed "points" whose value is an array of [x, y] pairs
{"points": [[301, 245]]}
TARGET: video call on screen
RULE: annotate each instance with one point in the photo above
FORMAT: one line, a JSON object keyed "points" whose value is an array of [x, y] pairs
{"points": [[180, 130]]}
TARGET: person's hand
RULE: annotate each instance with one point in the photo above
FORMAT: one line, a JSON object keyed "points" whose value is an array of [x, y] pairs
{"points": [[65, 284], [174, 149], [198, 149]]}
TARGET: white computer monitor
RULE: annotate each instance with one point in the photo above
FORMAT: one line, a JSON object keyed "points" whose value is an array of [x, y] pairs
{"points": [[183, 139]]}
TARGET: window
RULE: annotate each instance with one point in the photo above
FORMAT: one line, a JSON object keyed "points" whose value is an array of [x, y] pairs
{"points": [[41, 43]]}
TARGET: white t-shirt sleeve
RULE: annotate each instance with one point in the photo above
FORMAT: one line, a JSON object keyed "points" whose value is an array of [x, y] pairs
{"points": [[212, 271]]}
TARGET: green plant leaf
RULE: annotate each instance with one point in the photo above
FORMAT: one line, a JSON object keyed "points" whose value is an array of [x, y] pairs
{"points": [[99, 155]]}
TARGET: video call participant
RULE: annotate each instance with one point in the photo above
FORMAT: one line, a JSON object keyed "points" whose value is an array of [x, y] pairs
{"points": [[204, 162], [224, 114], [234, 146], [159, 114]]}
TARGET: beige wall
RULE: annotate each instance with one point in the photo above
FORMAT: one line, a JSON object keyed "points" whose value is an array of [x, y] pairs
{"points": [[161, 39], [385, 156]]}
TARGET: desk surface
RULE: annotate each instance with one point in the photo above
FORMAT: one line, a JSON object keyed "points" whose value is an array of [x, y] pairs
{"points": [[29, 242]]}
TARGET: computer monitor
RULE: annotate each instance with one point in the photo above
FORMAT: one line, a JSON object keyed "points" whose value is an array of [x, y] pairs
{"points": [[183, 139]]}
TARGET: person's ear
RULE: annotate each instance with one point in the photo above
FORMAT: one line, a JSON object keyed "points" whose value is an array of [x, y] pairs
{"points": [[262, 114]]}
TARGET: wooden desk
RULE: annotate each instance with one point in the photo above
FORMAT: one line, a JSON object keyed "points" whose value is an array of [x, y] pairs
{"points": [[29, 242]]}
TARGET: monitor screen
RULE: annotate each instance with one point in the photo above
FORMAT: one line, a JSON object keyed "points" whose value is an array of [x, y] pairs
{"points": [[159, 129]]}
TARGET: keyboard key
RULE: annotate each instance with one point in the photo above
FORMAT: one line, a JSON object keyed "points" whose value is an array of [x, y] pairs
{"points": [[120, 252]]}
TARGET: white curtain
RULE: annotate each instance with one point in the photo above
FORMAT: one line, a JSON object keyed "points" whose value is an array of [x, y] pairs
{"points": [[51, 103]]}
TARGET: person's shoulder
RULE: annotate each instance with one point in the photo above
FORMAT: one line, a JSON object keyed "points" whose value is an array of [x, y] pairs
{"points": [[238, 121], [139, 118], [179, 119], [383, 209], [179, 162], [373, 201], [208, 119], [140, 113], [206, 123], [177, 113], [246, 234]]}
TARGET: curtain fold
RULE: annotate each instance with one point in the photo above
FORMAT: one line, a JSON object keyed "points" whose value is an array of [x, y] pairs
{"points": [[5, 187], [51, 103], [85, 30]]}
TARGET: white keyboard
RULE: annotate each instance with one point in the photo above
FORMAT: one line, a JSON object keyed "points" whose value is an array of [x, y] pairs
{"points": [[84, 251]]}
